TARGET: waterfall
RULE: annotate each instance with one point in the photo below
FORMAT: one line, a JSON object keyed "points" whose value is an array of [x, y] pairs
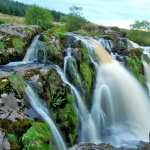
{"points": [[87, 131], [107, 44], [115, 96], [31, 54], [43, 112]]}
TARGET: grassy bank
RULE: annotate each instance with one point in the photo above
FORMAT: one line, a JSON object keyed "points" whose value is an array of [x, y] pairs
{"points": [[4, 18]]}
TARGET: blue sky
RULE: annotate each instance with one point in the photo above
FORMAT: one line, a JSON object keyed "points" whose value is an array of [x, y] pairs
{"points": [[120, 13]]}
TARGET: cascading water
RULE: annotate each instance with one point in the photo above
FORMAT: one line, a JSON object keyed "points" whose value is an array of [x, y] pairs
{"points": [[88, 129], [116, 95], [31, 54], [44, 113], [119, 113]]}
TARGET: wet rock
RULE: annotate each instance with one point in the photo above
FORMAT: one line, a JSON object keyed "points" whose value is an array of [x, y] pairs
{"points": [[4, 144], [14, 41], [91, 146], [11, 108]]}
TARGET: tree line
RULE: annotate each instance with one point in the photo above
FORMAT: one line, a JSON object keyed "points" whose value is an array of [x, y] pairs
{"points": [[19, 9]]}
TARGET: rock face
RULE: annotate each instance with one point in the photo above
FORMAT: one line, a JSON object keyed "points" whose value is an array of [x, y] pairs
{"points": [[4, 144], [14, 40]]}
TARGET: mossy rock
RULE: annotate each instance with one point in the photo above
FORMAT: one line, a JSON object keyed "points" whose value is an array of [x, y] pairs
{"points": [[19, 45], [14, 143], [135, 65], [18, 127], [86, 73], [37, 137]]}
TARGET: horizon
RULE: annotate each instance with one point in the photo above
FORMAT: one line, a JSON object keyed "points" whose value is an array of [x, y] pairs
{"points": [[108, 13]]}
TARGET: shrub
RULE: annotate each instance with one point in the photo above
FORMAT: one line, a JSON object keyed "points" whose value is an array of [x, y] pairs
{"points": [[38, 16], [18, 44]]}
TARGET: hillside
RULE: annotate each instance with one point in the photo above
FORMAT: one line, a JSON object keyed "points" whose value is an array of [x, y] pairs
{"points": [[4, 18]]}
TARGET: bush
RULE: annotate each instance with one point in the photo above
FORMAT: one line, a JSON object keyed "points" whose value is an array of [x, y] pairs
{"points": [[74, 21], [38, 16], [140, 37]]}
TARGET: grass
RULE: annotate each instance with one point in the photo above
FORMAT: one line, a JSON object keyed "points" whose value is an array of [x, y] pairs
{"points": [[4, 18], [140, 37]]}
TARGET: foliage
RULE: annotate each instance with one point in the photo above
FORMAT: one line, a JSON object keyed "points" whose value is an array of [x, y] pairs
{"points": [[12, 7], [140, 37], [19, 9], [37, 137], [13, 141], [142, 25], [74, 21], [38, 16], [87, 75], [17, 83], [135, 65], [18, 44], [2, 45]]}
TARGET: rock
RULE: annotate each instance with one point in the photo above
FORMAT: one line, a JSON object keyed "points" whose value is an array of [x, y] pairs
{"points": [[91, 146], [11, 108], [4, 144], [14, 41]]}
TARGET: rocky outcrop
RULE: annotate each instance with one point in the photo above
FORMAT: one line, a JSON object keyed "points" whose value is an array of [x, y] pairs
{"points": [[91, 146], [14, 40]]}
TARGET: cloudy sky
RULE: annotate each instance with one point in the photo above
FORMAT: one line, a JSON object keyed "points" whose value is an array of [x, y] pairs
{"points": [[120, 13]]}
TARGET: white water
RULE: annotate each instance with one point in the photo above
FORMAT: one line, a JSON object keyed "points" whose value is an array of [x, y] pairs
{"points": [[31, 54], [119, 113], [120, 108], [87, 131], [43, 112]]}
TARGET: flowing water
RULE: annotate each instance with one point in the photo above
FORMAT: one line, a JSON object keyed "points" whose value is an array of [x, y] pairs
{"points": [[37, 104], [119, 113], [116, 96]]}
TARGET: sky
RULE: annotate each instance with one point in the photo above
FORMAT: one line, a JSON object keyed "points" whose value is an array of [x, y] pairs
{"points": [[119, 13]]}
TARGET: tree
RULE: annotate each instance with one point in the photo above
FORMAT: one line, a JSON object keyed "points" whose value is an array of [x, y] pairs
{"points": [[38, 16], [142, 25], [74, 20]]}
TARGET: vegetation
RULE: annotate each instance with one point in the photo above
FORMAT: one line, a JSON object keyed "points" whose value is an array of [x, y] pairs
{"points": [[12, 7], [135, 65], [141, 25], [74, 21], [4, 18], [140, 37], [38, 16], [37, 137]]}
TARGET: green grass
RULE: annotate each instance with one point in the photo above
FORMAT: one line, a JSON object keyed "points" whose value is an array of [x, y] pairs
{"points": [[140, 37], [11, 19]]}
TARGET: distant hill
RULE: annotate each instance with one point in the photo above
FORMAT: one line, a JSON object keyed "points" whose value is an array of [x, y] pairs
{"points": [[11, 7]]}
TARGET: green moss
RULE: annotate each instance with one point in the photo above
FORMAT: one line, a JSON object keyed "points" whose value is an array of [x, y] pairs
{"points": [[140, 37], [87, 75], [37, 137], [67, 120], [18, 44], [2, 45], [134, 63], [13, 141], [17, 82]]}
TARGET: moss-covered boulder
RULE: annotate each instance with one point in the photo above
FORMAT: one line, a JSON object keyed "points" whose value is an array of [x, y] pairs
{"points": [[37, 137], [14, 40], [134, 63]]}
